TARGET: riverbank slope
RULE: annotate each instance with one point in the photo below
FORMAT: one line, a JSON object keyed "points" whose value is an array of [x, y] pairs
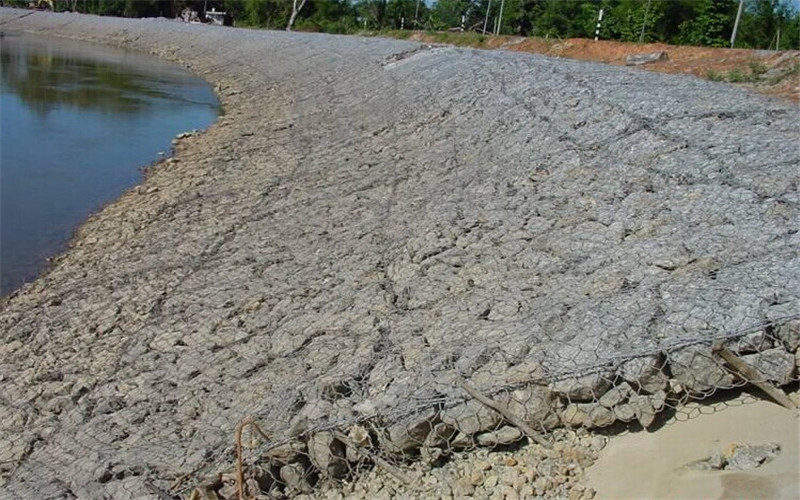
{"points": [[372, 220]]}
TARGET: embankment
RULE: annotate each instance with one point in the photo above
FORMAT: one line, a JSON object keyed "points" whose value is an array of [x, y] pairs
{"points": [[372, 221]]}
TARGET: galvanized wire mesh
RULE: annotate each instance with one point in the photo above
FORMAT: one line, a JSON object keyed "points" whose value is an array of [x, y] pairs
{"points": [[384, 254]]}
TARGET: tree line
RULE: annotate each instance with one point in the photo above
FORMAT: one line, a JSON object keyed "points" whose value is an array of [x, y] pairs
{"points": [[764, 24]]}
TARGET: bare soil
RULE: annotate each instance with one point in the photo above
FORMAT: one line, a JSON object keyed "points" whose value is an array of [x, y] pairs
{"points": [[773, 73]]}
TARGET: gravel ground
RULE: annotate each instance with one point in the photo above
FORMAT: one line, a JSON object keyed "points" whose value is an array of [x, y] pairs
{"points": [[370, 218], [528, 472]]}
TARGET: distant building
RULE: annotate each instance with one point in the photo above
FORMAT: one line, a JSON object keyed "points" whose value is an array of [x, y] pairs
{"points": [[218, 18]]}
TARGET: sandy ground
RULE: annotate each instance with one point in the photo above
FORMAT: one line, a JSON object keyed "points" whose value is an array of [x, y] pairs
{"points": [[693, 434]]}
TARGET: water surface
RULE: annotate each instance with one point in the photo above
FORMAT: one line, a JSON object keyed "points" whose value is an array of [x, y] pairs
{"points": [[77, 122]]}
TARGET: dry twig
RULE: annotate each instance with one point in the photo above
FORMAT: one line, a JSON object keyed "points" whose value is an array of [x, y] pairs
{"points": [[239, 464], [502, 410], [383, 464], [752, 375]]}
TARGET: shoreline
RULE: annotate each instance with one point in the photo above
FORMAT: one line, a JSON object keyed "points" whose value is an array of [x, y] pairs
{"points": [[347, 230], [59, 241]]}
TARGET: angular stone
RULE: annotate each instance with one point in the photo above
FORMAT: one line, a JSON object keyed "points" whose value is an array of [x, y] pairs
{"points": [[749, 457], [697, 370], [263, 476], [471, 417], [616, 395], [504, 435], [713, 462], [750, 343], [296, 477], [647, 406], [646, 372], [535, 405], [624, 412], [582, 389], [462, 441], [358, 435], [775, 364], [430, 455], [327, 454], [439, 435], [650, 57], [410, 433], [789, 334], [287, 452], [358, 438], [589, 415]]}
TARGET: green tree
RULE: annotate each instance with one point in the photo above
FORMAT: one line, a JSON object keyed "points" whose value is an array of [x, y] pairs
{"points": [[701, 22], [266, 13], [448, 13]]}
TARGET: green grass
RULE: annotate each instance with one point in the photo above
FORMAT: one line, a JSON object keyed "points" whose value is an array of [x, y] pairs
{"points": [[468, 38], [753, 73], [793, 71]]}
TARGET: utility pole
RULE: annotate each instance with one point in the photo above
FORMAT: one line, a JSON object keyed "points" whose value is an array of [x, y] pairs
{"points": [[644, 23], [500, 17], [486, 19], [736, 24], [416, 15], [597, 29]]}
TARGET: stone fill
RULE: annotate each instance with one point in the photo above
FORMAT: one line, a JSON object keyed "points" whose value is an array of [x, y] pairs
{"points": [[371, 216]]}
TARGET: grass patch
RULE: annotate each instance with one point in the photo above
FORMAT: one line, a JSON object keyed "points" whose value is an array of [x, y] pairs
{"points": [[753, 73], [790, 73], [466, 38]]}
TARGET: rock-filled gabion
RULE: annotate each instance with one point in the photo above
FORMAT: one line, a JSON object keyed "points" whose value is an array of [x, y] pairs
{"points": [[372, 221]]}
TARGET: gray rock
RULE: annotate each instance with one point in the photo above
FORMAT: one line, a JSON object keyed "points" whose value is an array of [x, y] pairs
{"points": [[535, 405], [616, 395], [297, 477], [504, 435], [471, 417], [750, 343], [327, 454], [647, 406], [287, 452], [462, 440], [410, 433], [716, 461], [749, 457], [624, 412], [651, 57], [789, 334], [776, 365], [697, 370], [588, 415], [738, 457], [439, 435], [263, 476], [430, 454], [646, 372], [786, 324], [584, 388]]}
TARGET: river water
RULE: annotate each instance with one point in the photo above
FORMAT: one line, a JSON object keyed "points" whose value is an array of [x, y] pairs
{"points": [[77, 123]]}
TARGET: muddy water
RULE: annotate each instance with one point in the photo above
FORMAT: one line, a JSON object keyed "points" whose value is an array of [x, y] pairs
{"points": [[77, 122]]}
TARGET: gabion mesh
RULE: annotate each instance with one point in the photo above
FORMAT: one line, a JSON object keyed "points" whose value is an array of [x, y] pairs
{"points": [[387, 253]]}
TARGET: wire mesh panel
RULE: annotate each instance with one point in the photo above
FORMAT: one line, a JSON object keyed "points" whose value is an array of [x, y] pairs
{"points": [[386, 255]]}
